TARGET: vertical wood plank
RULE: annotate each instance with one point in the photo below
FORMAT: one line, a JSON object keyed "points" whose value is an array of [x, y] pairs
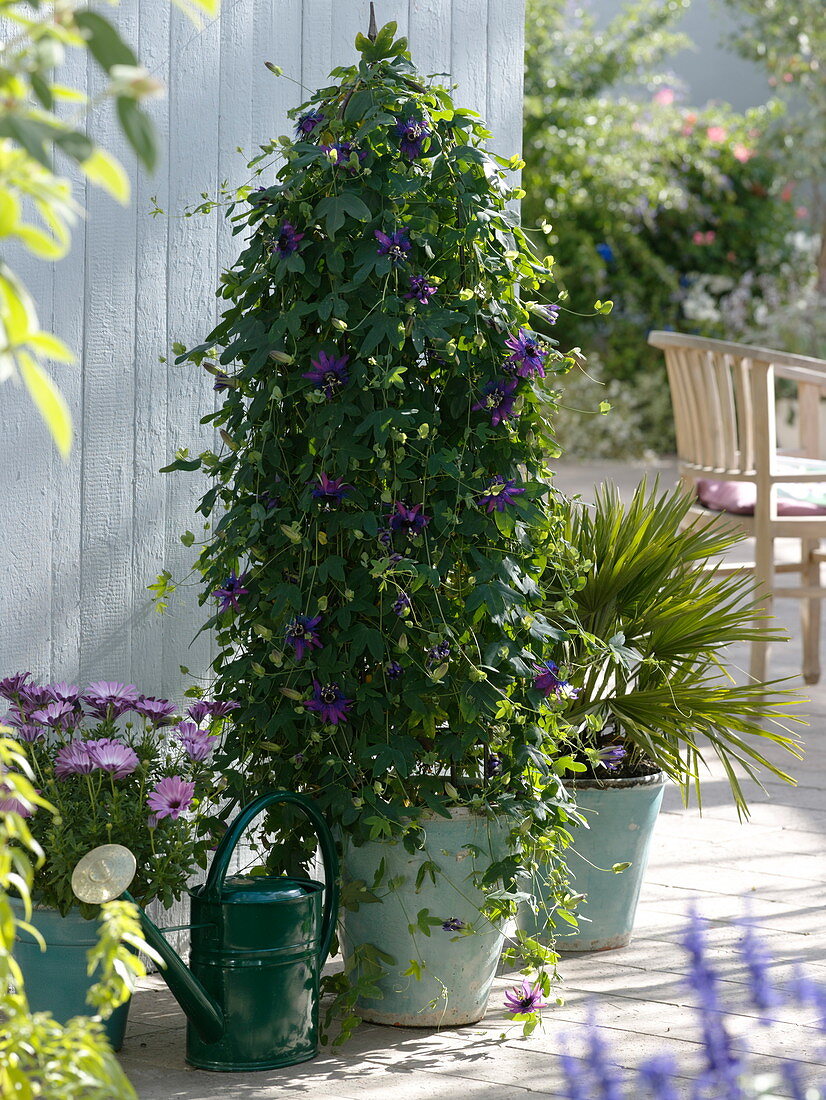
{"points": [[108, 404], [505, 66], [151, 350], [468, 45], [430, 37], [352, 17], [316, 43], [191, 312]]}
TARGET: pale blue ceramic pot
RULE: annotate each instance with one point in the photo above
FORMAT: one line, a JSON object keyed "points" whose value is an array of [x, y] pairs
{"points": [[56, 980], [621, 814], [457, 971]]}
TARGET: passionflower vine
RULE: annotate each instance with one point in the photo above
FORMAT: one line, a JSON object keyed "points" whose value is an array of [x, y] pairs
{"points": [[411, 133], [73, 759], [287, 240], [330, 490], [611, 756], [453, 924], [112, 756], [342, 155], [524, 998], [396, 245], [307, 123], [329, 703], [170, 797], [438, 653], [409, 520], [551, 312], [420, 290], [548, 681], [393, 669], [527, 355], [500, 494], [401, 604], [498, 399], [228, 595], [303, 635], [329, 373]]}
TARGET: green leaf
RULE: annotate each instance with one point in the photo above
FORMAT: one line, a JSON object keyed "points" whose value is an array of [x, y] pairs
{"points": [[50, 402], [139, 131], [107, 172], [104, 42]]}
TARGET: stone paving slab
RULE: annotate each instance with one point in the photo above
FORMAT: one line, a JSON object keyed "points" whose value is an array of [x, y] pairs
{"points": [[776, 863]]}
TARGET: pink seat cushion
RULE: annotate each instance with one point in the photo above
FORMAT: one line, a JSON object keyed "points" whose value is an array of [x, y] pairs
{"points": [[793, 499]]}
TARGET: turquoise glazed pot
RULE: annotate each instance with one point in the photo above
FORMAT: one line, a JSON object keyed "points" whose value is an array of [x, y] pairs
{"points": [[457, 971], [56, 979], [621, 814]]}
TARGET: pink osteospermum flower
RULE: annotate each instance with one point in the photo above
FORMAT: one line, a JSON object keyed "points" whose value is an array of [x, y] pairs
{"points": [[112, 756], [170, 797], [197, 743], [73, 759]]}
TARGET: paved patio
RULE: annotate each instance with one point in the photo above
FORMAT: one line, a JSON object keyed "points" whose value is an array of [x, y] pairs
{"points": [[775, 864]]}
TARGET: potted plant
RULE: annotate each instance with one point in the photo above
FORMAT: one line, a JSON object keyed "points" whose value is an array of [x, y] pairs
{"points": [[381, 523], [118, 768], [653, 699]]}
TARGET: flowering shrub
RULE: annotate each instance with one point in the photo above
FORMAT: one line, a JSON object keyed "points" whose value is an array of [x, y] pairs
{"points": [[724, 1069], [381, 509], [638, 195], [119, 768]]}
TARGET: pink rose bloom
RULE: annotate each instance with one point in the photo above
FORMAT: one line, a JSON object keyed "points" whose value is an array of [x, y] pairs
{"points": [[716, 134], [665, 97]]}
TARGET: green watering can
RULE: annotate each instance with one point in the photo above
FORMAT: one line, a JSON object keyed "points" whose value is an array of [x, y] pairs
{"points": [[250, 993]]}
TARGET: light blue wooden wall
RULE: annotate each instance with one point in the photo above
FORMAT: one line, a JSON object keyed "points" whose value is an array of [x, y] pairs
{"points": [[80, 541]]}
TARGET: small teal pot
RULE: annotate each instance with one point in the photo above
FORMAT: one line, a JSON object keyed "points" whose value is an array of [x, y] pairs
{"points": [[56, 979], [621, 814], [457, 971]]}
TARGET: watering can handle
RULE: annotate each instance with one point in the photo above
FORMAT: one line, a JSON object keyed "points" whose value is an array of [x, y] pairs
{"points": [[217, 872]]}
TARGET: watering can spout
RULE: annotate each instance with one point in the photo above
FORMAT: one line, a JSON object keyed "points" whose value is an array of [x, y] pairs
{"points": [[202, 1011], [104, 874]]}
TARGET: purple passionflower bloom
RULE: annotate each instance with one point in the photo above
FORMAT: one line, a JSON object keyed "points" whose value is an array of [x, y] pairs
{"points": [[410, 520], [11, 686], [197, 743], [287, 240], [112, 756], [63, 692], [233, 588], [73, 759], [109, 699], [396, 245], [222, 382], [493, 765], [610, 756], [170, 797], [527, 355], [551, 684], [394, 670], [329, 703], [453, 924], [500, 494], [331, 490], [411, 133], [302, 635], [524, 998], [420, 289], [58, 716], [329, 373], [438, 653], [551, 312], [401, 605], [606, 252], [307, 123], [344, 151], [160, 712], [498, 399]]}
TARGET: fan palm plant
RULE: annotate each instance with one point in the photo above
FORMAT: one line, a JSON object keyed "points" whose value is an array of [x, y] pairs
{"points": [[655, 619]]}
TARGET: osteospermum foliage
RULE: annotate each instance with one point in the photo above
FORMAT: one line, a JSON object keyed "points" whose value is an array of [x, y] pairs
{"points": [[391, 615]]}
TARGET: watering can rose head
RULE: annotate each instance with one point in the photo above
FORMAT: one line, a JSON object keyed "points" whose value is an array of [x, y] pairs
{"points": [[120, 768]]}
